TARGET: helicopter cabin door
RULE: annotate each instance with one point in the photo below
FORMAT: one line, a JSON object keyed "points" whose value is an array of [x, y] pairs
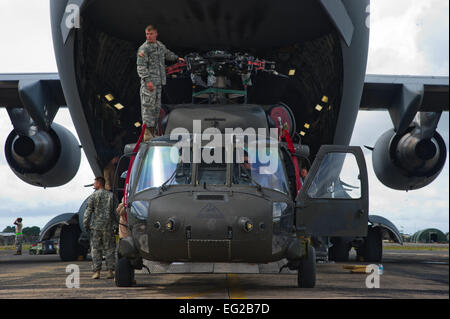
{"points": [[334, 199]]}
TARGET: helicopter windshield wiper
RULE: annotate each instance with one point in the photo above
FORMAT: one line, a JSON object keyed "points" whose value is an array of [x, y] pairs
{"points": [[348, 185], [163, 186], [249, 176]]}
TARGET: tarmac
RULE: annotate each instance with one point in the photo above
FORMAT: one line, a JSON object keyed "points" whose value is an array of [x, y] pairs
{"points": [[407, 274]]}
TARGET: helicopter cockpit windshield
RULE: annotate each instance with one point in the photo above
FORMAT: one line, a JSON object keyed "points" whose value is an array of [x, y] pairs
{"points": [[160, 167], [257, 165], [261, 166]]}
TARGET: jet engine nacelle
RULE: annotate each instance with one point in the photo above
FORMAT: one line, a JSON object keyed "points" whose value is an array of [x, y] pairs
{"points": [[45, 159], [408, 162]]}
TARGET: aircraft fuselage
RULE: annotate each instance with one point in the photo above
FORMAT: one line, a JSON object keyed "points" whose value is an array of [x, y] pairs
{"points": [[324, 42]]}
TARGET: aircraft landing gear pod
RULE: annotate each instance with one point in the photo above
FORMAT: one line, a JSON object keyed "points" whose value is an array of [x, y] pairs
{"points": [[68, 228]]}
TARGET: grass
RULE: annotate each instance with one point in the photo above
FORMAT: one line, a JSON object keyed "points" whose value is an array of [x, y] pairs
{"points": [[12, 247], [411, 247]]}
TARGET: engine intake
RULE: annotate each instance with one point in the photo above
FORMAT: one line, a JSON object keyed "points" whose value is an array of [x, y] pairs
{"points": [[408, 162], [45, 159]]}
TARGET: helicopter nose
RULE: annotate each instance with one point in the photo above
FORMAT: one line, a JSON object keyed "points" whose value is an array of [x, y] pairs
{"points": [[217, 227]]}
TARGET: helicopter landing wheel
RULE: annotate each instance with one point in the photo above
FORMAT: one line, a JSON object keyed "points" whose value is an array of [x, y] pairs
{"points": [[306, 276]]}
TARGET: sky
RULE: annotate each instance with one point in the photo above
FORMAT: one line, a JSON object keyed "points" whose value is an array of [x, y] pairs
{"points": [[408, 37]]}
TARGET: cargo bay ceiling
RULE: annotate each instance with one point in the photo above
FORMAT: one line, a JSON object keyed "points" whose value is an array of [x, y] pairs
{"points": [[297, 35]]}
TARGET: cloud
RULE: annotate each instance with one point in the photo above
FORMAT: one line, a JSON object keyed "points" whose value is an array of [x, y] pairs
{"points": [[36, 216], [432, 38], [26, 36], [409, 37]]}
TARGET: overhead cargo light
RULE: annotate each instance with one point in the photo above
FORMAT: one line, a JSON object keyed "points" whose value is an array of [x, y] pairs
{"points": [[302, 133], [307, 126], [292, 72], [325, 99], [118, 106], [109, 97], [137, 124], [319, 107]]}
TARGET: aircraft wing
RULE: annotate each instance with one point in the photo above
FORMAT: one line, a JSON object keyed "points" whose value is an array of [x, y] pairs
{"points": [[44, 87], [384, 92], [380, 91]]}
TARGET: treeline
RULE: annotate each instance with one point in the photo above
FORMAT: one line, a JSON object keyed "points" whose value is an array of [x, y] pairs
{"points": [[28, 231]]}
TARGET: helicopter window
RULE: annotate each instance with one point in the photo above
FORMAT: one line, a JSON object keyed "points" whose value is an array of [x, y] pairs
{"points": [[159, 168], [134, 169], [337, 177], [213, 172], [266, 171]]}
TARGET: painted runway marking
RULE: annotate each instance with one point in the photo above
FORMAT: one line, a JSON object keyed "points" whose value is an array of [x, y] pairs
{"points": [[201, 294], [234, 288]]}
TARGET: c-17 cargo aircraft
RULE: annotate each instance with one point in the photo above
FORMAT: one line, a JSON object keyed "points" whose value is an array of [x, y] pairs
{"points": [[296, 67]]}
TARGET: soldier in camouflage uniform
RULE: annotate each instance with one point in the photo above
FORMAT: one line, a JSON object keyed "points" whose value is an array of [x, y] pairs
{"points": [[19, 236], [152, 71], [99, 221]]}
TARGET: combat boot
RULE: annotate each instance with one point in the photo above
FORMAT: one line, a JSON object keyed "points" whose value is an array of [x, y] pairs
{"points": [[110, 275], [148, 134], [96, 275]]}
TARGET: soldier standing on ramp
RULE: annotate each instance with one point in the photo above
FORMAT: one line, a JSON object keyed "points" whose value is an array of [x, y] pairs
{"points": [[99, 221], [19, 236], [152, 71]]}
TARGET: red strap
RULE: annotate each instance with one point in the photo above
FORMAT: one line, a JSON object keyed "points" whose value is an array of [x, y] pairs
{"points": [[260, 65], [176, 68], [130, 166], [294, 159]]}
